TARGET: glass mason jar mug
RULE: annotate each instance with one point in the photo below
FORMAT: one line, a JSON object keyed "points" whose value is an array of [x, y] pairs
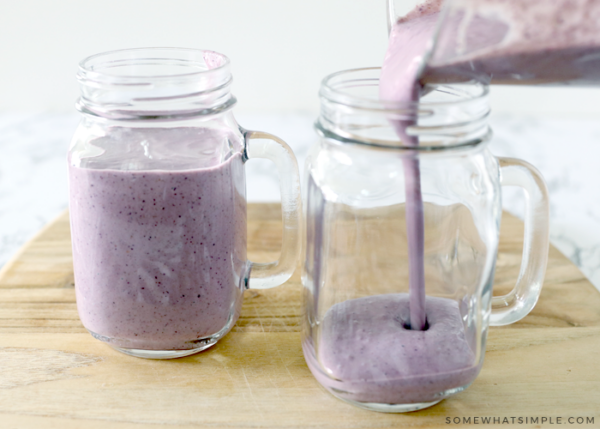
{"points": [[402, 243], [158, 201]]}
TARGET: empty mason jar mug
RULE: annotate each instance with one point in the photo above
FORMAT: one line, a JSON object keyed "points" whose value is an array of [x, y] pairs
{"points": [[158, 201], [382, 253]]}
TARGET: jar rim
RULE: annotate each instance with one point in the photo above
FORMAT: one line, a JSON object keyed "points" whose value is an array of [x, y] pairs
{"points": [[94, 67], [334, 88], [155, 84], [446, 115]]}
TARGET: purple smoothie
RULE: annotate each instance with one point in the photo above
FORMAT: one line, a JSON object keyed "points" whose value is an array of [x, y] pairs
{"points": [[516, 42], [369, 354], [159, 253]]}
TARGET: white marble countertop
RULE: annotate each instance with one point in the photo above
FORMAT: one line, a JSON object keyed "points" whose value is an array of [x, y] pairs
{"points": [[33, 183]]}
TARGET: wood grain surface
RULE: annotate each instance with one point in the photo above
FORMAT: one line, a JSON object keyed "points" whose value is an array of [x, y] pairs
{"points": [[53, 374]]}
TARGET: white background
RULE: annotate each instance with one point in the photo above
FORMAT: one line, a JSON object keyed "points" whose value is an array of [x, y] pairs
{"points": [[280, 49]]}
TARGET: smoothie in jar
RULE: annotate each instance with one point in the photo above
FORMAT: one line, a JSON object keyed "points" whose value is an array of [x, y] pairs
{"points": [[159, 253]]}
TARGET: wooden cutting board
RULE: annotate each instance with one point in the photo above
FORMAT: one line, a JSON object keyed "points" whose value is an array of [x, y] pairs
{"points": [[53, 374]]}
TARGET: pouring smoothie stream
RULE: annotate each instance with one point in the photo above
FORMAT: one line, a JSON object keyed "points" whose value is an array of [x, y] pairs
{"points": [[494, 41]]}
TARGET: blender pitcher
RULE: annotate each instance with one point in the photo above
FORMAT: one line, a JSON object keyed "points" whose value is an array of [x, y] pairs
{"points": [[516, 42]]}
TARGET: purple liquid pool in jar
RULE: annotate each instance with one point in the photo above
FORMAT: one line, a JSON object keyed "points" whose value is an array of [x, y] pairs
{"points": [[370, 354], [159, 254]]}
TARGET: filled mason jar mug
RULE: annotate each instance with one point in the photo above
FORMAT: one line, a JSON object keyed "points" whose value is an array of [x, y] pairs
{"points": [[401, 243], [158, 201]]}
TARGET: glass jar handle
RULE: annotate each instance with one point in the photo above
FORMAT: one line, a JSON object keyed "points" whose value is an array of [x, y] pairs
{"points": [[521, 300], [265, 276]]}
